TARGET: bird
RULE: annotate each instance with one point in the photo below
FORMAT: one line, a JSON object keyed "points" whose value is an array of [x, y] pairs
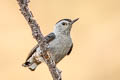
{"points": [[60, 44]]}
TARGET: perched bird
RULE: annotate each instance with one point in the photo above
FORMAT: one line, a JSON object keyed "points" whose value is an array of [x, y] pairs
{"points": [[59, 47]]}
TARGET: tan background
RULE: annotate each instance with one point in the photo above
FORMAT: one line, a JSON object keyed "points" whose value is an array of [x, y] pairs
{"points": [[96, 38]]}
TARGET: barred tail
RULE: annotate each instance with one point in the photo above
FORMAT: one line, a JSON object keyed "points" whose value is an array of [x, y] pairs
{"points": [[33, 62], [33, 66]]}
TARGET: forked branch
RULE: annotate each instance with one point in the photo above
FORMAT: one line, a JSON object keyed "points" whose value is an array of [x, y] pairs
{"points": [[56, 74]]}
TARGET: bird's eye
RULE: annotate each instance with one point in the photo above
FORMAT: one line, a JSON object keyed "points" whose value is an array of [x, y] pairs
{"points": [[64, 23]]}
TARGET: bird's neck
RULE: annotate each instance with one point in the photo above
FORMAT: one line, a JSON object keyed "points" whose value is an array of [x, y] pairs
{"points": [[58, 32]]}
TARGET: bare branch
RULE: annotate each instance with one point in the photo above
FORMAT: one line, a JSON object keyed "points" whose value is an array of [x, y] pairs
{"points": [[56, 74]]}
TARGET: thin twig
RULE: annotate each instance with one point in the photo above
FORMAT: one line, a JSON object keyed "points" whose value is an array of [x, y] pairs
{"points": [[56, 74]]}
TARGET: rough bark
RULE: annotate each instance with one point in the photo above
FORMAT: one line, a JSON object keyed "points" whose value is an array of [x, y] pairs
{"points": [[36, 32]]}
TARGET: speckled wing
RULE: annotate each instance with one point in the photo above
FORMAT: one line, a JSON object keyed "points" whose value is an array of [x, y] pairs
{"points": [[48, 38]]}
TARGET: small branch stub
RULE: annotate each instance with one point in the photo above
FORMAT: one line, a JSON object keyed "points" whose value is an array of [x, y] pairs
{"points": [[56, 74]]}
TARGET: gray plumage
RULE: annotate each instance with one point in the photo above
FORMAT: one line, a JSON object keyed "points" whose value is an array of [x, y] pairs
{"points": [[59, 47], [48, 38]]}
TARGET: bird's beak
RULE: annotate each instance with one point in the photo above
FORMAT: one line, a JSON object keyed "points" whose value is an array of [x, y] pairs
{"points": [[74, 20]]}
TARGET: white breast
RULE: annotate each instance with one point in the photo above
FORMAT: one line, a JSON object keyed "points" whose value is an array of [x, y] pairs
{"points": [[60, 47]]}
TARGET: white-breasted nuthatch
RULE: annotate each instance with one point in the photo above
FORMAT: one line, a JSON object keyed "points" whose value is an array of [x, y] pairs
{"points": [[59, 47]]}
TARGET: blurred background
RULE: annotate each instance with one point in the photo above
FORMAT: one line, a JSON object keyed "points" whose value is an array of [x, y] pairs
{"points": [[96, 38]]}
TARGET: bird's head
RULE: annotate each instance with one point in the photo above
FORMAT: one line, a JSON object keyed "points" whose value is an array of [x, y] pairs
{"points": [[64, 26]]}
